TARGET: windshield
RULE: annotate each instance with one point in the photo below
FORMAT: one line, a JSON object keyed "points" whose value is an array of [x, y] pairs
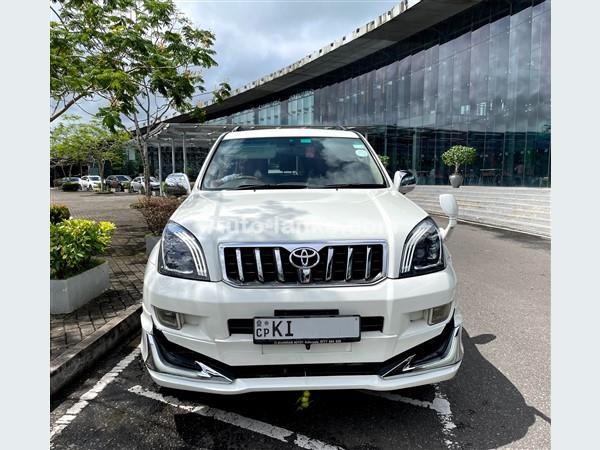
{"points": [[94, 178], [123, 178], [292, 162]]}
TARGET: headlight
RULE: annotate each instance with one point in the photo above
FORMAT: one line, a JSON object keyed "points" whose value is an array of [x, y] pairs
{"points": [[181, 255], [422, 251]]}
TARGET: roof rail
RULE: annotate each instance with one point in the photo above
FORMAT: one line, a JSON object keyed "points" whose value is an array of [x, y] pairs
{"points": [[259, 127]]}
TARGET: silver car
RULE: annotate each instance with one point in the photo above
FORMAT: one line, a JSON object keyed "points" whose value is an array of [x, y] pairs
{"points": [[137, 185]]}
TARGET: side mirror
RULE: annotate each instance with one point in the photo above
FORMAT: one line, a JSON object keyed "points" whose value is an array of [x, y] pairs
{"points": [[450, 208], [404, 181]]}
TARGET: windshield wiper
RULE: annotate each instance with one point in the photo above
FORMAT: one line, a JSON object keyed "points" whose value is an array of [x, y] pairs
{"points": [[351, 185], [269, 186]]}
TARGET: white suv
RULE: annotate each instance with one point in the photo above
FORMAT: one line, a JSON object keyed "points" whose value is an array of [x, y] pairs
{"points": [[90, 182], [297, 263]]}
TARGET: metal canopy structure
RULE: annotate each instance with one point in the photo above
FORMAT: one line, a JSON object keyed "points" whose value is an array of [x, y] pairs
{"points": [[184, 136], [181, 137]]}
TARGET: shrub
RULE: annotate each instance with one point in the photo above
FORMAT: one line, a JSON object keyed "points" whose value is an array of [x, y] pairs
{"points": [[458, 155], [385, 160], [74, 243], [70, 186], [58, 213], [157, 211]]}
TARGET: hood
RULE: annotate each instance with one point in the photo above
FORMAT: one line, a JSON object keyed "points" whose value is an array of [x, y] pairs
{"points": [[300, 215]]}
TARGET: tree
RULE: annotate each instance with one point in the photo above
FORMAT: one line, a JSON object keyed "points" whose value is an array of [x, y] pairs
{"points": [[91, 142], [458, 155], [65, 149], [142, 56], [105, 146]]}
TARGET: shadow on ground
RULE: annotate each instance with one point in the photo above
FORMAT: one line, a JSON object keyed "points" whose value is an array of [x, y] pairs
{"points": [[487, 409]]}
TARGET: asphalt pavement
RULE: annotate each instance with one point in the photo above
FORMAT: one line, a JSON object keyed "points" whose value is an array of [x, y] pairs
{"points": [[500, 397]]}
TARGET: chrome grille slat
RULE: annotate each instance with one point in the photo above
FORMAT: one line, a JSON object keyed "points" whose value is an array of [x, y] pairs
{"points": [[349, 263], [339, 263], [259, 269], [240, 268], [279, 265], [329, 266]]}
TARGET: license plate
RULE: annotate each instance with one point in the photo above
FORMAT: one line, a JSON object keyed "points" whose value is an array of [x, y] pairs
{"points": [[306, 330]]}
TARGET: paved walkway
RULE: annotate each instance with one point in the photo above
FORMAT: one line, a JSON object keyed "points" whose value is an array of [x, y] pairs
{"points": [[126, 258]]}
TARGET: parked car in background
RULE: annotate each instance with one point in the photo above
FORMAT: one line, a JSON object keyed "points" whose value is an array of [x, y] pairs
{"points": [[58, 182], [71, 184], [137, 185], [177, 184], [90, 182], [118, 182]]}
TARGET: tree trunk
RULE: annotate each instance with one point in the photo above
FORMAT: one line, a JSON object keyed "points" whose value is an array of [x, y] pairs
{"points": [[101, 173], [146, 164]]}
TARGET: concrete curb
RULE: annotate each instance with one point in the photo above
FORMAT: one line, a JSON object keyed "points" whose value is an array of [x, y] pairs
{"points": [[65, 367]]}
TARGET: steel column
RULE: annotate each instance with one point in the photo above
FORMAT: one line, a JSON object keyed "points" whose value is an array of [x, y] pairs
{"points": [[172, 157], [184, 155]]}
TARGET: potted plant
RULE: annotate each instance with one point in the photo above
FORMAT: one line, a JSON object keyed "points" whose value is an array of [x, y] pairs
{"points": [[76, 275], [156, 212], [456, 156]]}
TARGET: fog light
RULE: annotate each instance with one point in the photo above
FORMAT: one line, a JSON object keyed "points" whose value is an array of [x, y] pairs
{"points": [[439, 313], [169, 318]]}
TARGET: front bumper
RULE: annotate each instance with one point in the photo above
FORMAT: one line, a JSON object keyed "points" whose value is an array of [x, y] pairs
{"points": [[430, 362]]}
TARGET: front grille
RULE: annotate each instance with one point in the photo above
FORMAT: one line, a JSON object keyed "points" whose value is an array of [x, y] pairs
{"points": [[338, 264], [245, 326]]}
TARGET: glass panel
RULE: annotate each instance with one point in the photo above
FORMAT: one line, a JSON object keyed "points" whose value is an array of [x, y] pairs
{"points": [[416, 98], [478, 87], [404, 90], [461, 109]]}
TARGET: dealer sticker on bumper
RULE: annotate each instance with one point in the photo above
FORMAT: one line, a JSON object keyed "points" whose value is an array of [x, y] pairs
{"points": [[306, 330]]}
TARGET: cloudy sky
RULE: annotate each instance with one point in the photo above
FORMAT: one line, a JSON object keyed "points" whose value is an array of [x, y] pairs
{"points": [[257, 37]]}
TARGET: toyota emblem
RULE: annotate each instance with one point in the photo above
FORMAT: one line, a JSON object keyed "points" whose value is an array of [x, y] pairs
{"points": [[304, 258]]}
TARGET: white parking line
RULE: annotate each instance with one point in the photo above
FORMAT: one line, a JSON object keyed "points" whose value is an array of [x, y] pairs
{"points": [[272, 431], [440, 405], [63, 421]]}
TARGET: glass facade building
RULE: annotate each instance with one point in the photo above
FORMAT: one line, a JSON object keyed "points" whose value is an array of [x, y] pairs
{"points": [[480, 78]]}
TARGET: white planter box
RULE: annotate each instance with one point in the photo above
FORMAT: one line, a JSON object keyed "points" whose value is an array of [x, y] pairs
{"points": [[68, 295], [151, 241]]}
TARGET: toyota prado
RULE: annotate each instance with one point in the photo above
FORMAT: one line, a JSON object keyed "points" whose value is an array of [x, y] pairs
{"points": [[297, 263]]}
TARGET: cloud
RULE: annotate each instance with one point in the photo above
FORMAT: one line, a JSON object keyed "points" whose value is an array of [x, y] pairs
{"points": [[256, 38]]}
